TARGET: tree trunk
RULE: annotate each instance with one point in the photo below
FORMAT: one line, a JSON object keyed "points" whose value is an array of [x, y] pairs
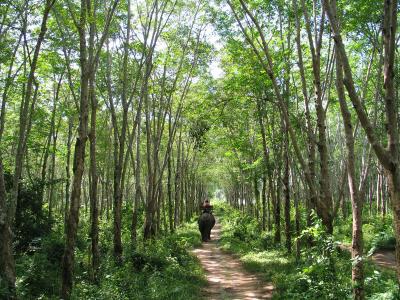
{"points": [[389, 158], [87, 68], [288, 231], [7, 264], [326, 195], [169, 191], [53, 169], [177, 183], [67, 170], [298, 221], [356, 201], [138, 191], [264, 201], [54, 135], [277, 208], [94, 207], [79, 162]]}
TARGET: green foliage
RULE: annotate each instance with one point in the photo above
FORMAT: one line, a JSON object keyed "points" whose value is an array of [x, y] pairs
{"points": [[383, 241], [241, 233], [380, 284], [40, 269], [323, 272], [377, 232], [31, 220], [198, 131], [162, 269], [319, 276]]}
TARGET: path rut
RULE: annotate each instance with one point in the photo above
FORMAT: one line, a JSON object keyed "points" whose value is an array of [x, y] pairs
{"points": [[227, 279]]}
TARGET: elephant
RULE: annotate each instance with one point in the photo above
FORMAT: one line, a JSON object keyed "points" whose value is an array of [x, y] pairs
{"points": [[206, 223]]}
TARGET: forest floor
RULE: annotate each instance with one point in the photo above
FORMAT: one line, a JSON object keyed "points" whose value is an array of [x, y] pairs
{"points": [[226, 277], [382, 258], [385, 258]]}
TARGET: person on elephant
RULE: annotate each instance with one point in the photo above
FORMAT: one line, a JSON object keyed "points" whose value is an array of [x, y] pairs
{"points": [[207, 207], [206, 221]]}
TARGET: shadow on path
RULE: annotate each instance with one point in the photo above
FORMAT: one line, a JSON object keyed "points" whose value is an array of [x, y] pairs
{"points": [[227, 279]]}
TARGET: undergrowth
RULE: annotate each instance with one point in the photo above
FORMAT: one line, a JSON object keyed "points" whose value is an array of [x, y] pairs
{"points": [[161, 269], [323, 272], [377, 231]]}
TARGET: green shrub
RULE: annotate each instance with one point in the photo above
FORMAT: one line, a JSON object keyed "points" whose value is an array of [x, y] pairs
{"points": [[383, 241], [159, 269], [38, 272]]}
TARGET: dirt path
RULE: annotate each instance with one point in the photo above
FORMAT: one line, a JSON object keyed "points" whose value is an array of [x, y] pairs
{"points": [[227, 279], [382, 258], [385, 258]]}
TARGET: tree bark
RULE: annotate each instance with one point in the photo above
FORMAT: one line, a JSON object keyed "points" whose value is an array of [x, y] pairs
{"points": [[315, 47], [264, 201], [93, 195], [357, 240], [177, 183], [288, 231], [67, 170]]}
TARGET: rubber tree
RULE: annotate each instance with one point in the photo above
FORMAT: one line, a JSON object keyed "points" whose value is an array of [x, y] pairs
{"points": [[389, 156]]}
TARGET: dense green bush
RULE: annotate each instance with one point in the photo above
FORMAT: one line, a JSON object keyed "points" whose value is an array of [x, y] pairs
{"points": [[39, 270], [32, 222], [379, 234]]}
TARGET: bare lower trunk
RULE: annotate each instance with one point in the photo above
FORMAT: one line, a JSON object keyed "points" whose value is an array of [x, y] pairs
{"points": [[53, 170], [177, 183], [67, 170], [298, 231], [94, 207], [287, 199], [276, 196], [394, 187], [169, 191], [257, 199], [264, 201], [138, 193], [7, 266], [73, 216]]}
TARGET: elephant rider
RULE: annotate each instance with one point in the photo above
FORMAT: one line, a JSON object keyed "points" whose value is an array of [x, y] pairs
{"points": [[207, 208]]}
